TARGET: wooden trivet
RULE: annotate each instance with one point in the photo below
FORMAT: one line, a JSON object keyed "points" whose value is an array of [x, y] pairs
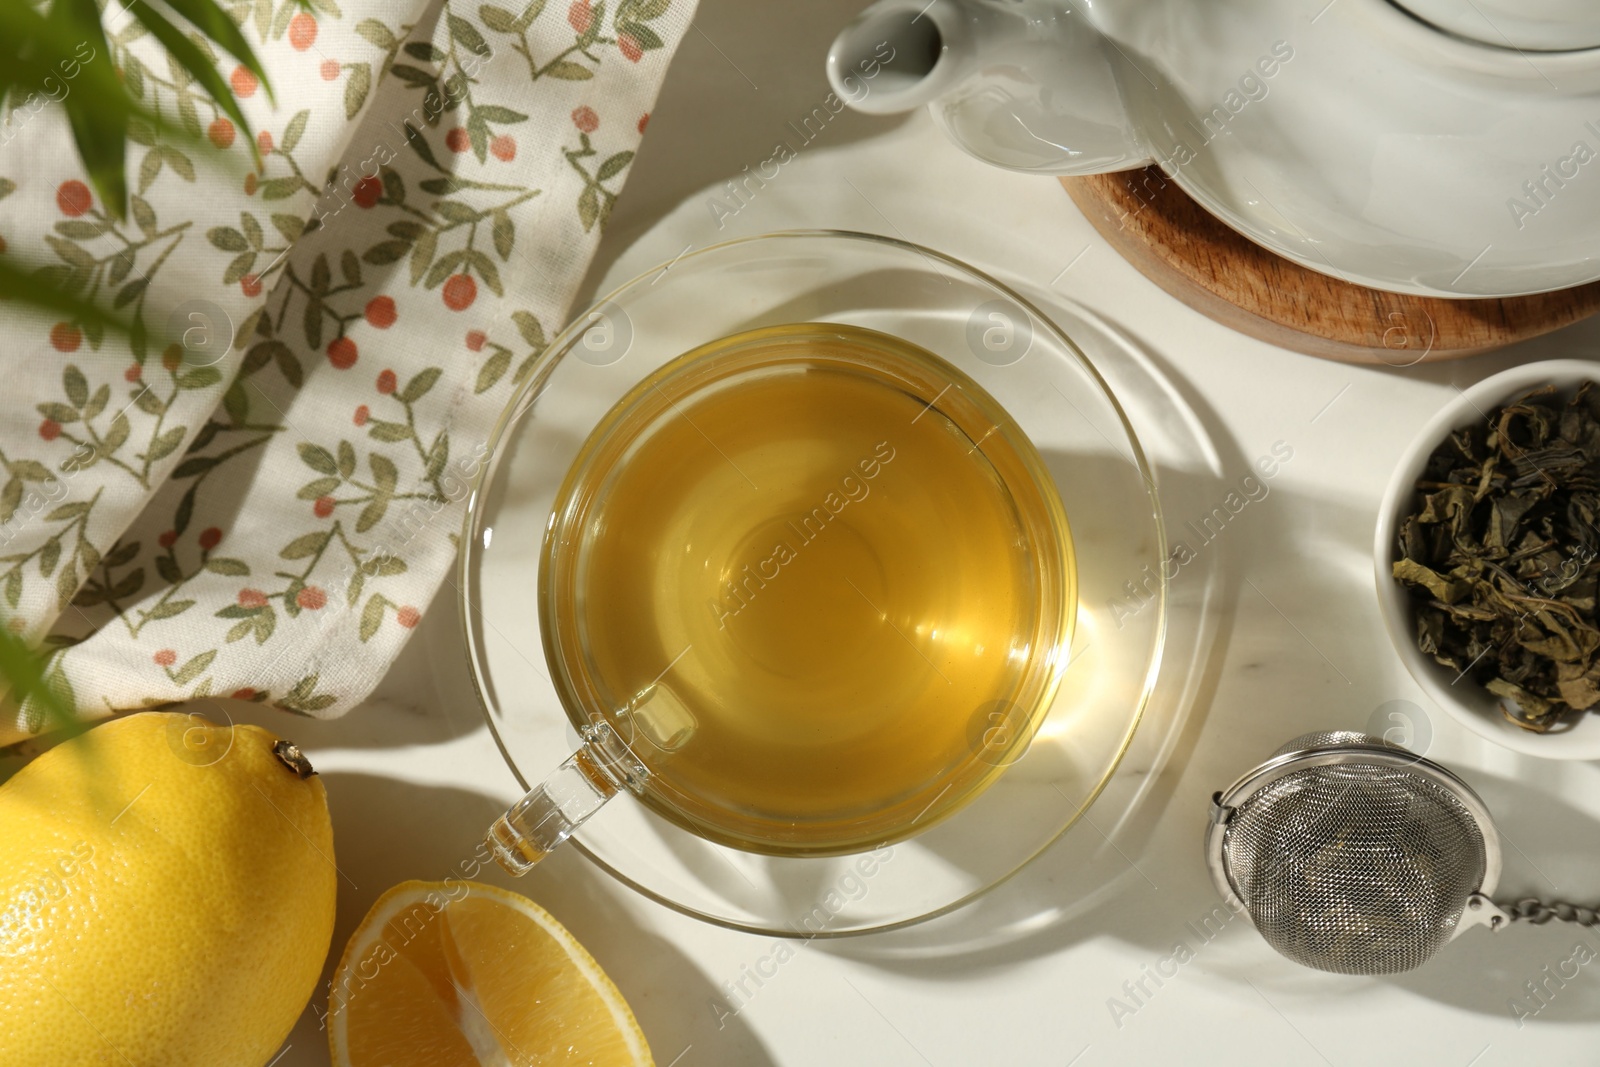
{"points": [[1183, 248]]}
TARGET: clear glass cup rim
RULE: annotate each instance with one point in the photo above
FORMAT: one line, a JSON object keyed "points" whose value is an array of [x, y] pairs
{"points": [[560, 346]]}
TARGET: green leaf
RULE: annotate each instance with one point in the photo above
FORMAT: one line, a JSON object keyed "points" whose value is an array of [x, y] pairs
{"points": [[486, 268], [13, 594], [384, 472], [568, 71], [383, 564], [321, 274], [413, 76], [294, 131], [10, 497], [59, 412], [238, 611], [377, 33], [266, 622], [189, 115], [529, 327], [306, 545], [167, 567], [312, 321], [30, 470], [227, 238], [505, 234], [496, 113], [379, 430], [79, 229], [70, 252], [478, 134], [203, 68], [130, 584], [437, 457], [373, 513], [192, 669], [350, 267], [236, 402], [68, 511], [347, 460], [279, 188], [588, 207], [240, 630], [456, 211], [130, 292], [418, 386], [291, 226], [116, 436], [318, 458], [421, 255], [613, 166], [97, 403], [212, 21], [169, 609], [419, 144], [289, 366], [385, 252], [444, 267], [394, 186], [317, 487], [181, 517], [121, 264], [468, 36], [372, 615], [252, 229], [49, 555], [493, 369], [193, 466], [199, 378], [498, 19], [66, 584], [146, 400], [76, 385], [224, 565], [643, 34], [144, 216], [179, 162], [164, 444], [122, 553]]}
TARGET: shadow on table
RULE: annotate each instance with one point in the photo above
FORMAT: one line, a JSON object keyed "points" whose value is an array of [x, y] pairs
{"points": [[723, 112], [388, 831]]}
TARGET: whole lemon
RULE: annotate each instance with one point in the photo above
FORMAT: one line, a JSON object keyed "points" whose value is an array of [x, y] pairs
{"points": [[166, 896]]}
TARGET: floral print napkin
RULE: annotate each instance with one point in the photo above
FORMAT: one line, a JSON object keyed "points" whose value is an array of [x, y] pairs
{"points": [[264, 508]]}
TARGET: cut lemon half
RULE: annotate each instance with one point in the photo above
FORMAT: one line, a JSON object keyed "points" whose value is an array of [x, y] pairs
{"points": [[460, 974]]}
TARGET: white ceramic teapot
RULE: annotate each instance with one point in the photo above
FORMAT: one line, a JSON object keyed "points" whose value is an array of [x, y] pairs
{"points": [[1435, 147]]}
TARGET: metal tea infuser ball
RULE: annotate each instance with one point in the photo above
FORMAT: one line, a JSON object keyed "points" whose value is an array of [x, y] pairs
{"points": [[1355, 855]]}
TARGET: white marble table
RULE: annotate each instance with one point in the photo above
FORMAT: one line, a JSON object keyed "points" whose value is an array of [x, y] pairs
{"points": [[1276, 631]]}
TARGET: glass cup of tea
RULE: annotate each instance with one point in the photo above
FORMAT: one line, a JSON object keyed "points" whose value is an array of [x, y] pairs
{"points": [[801, 584]]}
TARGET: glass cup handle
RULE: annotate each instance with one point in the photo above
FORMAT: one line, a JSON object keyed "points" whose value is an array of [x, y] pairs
{"points": [[536, 824]]}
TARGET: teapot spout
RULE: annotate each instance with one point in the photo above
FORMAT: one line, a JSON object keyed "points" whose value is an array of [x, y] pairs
{"points": [[898, 55], [1030, 86]]}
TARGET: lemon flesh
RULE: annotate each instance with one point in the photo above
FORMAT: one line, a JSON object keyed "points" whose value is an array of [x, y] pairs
{"points": [[461, 974]]}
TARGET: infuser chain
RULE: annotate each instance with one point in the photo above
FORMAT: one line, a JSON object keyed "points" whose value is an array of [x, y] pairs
{"points": [[1538, 912]]}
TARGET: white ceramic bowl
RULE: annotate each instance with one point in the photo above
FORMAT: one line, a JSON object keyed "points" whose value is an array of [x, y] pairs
{"points": [[1469, 703]]}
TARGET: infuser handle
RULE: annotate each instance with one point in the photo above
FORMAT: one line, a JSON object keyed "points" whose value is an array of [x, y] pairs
{"points": [[601, 767], [1539, 912]]}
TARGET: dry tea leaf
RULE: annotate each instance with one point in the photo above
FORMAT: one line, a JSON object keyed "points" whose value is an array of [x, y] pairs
{"points": [[1500, 555]]}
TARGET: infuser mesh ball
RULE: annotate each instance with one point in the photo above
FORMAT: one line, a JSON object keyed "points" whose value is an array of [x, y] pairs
{"points": [[1351, 854]]}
